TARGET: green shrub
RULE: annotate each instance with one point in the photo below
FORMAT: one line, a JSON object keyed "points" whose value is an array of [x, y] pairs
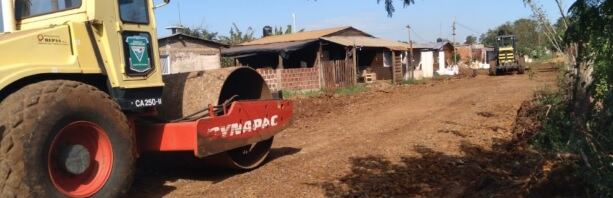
{"points": [[296, 93], [556, 125], [414, 82], [594, 146], [352, 90]]}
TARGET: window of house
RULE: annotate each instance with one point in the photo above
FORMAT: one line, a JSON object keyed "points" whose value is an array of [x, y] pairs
{"points": [[29, 8], [134, 11], [165, 61], [387, 59]]}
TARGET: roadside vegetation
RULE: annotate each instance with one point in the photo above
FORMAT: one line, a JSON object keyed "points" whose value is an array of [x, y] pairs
{"points": [[414, 82], [358, 88], [298, 93], [578, 117]]}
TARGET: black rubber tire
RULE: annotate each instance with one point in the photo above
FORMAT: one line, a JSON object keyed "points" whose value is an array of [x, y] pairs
{"points": [[31, 117], [521, 69], [492, 70], [522, 65]]}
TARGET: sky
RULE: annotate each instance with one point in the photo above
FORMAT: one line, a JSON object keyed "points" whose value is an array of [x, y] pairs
{"points": [[429, 19]]}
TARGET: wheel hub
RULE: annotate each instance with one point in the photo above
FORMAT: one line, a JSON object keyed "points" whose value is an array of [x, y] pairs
{"points": [[75, 159], [80, 159]]}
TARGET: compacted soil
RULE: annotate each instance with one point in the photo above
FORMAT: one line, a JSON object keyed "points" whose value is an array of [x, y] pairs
{"points": [[437, 139]]}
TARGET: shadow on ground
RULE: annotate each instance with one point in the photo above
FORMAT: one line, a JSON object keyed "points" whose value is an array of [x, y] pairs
{"points": [[154, 171], [510, 168], [504, 171]]}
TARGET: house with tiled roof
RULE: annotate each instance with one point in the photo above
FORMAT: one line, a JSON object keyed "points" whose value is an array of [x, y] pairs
{"points": [[328, 58]]}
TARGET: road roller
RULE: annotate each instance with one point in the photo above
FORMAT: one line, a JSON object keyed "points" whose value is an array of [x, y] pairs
{"points": [[507, 58], [82, 97]]}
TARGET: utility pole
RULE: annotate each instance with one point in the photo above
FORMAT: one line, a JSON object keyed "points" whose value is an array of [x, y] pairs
{"points": [[471, 53], [294, 23], [453, 56], [179, 9], [410, 62]]}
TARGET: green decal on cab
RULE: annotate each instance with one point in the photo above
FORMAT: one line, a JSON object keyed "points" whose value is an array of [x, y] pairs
{"points": [[139, 53]]}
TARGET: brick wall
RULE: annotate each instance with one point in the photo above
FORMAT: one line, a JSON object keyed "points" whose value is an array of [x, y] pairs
{"points": [[291, 79]]}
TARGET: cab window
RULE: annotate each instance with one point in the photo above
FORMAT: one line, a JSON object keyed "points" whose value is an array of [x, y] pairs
{"points": [[134, 11], [29, 8], [1, 23]]}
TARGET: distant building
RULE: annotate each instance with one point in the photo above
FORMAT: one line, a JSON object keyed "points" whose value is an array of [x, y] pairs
{"points": [[443, 52], [431, 57], [180, 53], [328, 58], [470, 53]]}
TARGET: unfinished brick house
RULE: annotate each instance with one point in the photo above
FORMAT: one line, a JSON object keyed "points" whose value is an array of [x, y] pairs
{"points": [[321, 59], [472, 52], [180, 53]]}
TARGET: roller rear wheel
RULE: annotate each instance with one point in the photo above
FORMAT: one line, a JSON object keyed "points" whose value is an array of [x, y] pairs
{"points": [[64, 139], [80, 159]]}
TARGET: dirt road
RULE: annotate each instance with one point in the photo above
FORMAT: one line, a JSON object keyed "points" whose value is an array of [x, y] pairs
{"points": [[434, 139]]}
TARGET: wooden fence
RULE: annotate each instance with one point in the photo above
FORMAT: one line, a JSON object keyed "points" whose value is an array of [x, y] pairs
{"points": [[338, 73], [397, 74]]}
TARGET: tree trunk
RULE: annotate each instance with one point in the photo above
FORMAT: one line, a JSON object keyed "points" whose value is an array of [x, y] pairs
{"points": [[581, 98], [561, 9]]}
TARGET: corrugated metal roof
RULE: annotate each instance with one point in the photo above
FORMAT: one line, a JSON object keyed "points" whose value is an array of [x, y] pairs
{"points": [[281, 48], [435, 46], [192, 37], [362, 41], [299, 36]]}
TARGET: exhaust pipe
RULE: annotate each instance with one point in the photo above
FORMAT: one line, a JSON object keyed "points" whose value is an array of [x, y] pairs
{"points": [[8, 15]]}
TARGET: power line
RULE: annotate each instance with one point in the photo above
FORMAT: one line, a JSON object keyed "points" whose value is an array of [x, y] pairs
{"points": [[467, 28], [417, 35]]}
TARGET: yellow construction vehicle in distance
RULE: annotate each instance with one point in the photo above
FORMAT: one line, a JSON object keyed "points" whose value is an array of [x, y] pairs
{"points": [[507, 59]]}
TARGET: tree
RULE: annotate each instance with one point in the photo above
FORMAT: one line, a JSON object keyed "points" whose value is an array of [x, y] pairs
{"points": [[561, 26], [390, 8], [539, 15], [279, 30], [528, 33], [584, 36], [238, 36], [200, 32], [471, 40], [591, 44], [489, 38], [288, 30]]}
